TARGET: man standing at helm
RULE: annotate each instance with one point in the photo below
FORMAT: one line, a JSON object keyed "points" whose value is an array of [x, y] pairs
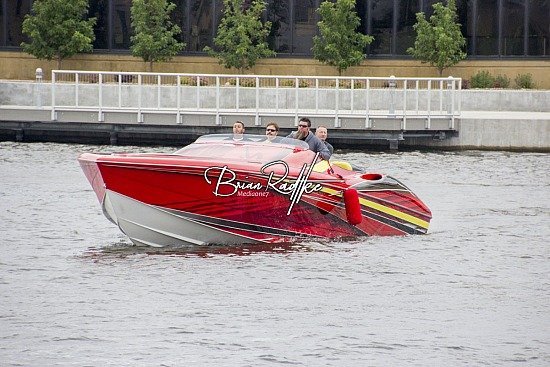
{"points": [[315, 144]]}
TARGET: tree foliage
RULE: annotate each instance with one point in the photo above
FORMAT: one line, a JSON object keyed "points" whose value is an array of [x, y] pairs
{"points": [[339, 44], [241, 39], [439, 41], [154, 32], [57, 29]]}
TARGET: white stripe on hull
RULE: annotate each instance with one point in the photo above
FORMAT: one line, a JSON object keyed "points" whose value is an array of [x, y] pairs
{"points": [[152, 226]]}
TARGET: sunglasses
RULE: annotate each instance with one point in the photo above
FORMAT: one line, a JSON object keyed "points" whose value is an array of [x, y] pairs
{"points": [[303, 125], [272, 130]]}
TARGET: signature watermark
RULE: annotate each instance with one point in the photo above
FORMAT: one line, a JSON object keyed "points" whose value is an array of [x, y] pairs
{"points": [[226, 183]]}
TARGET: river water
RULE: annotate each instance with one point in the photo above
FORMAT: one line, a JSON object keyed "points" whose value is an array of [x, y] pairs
{"points": [[473, 292]]}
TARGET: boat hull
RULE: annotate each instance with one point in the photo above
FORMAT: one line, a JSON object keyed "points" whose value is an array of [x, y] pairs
{"points": [[168, 200]]}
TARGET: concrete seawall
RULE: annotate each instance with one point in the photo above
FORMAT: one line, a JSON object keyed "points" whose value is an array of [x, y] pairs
{"points": [[490, 119]]}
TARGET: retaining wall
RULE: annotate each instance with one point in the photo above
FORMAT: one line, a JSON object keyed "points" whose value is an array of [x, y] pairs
{"points": [[490, 119]]}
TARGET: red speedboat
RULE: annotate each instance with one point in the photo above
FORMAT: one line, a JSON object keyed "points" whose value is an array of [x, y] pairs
{"points": [[227, 191]]}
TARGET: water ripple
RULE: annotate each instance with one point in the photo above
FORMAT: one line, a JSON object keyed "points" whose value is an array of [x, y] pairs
{"points": [[475, 291]]}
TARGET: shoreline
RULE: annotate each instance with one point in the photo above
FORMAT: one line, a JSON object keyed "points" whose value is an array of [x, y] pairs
{"points": [[470, 135]]}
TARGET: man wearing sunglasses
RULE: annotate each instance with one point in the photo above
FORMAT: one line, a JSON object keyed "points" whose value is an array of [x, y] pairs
{"points": [[315, 144], [271, 131]]}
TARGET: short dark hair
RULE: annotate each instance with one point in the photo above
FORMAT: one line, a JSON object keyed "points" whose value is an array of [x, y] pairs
{"points": [[306, 120], [239, 122]]}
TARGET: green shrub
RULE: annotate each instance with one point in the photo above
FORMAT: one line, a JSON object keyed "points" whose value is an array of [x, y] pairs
{"points": [[192, 81], [302, 83], [525, 81], [482, 79], [247, 82], [286, 83], [501, 81]]}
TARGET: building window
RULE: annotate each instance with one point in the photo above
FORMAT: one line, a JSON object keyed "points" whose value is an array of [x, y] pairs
{"points": [[2, 24], [513, 17], [14, 16], [179, 18], [406, 19], [487, 27], [538, 29], [280, 37], [305, 26], [99, 9], [201, 17], [382, 27], [122, 30]]}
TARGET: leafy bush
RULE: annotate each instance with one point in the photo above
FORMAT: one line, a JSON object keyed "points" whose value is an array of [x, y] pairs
{"points": [[482, 79], [248, 82], [347, 84], [525, 81], [302, 83], [287, 83], [501, 81], [193, 81]]}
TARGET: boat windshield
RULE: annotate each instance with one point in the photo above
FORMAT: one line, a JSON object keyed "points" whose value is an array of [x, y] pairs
{"points": [[246, 147]]}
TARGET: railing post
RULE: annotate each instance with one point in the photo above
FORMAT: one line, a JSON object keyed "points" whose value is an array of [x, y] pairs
{"points": [[237, 92], [368, 122], [317, 95], [158, 92], [140, 86], [451, 101], [337, 102], [276, 94], [198, 94], [392, 84], [218, 91], [441, 88], [405, 109], [178, 99], [257, 118], [417, 96], [429, 106], [296, 96], [76, 86], [352, 81], [53, 116], [120, 90], [450, 95], [100, 107]]}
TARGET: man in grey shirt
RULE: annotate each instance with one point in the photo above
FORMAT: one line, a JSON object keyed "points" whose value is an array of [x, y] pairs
{"points": [[315, 144], [322, 133]]}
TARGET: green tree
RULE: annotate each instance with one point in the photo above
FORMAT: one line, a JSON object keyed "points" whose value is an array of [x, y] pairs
{"points": [[241, 39], [154, 32], [339, 45], [439, 41], [57, 29]]}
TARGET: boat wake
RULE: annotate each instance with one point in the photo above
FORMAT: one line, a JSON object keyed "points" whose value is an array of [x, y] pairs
{"points": [[125, 249]]}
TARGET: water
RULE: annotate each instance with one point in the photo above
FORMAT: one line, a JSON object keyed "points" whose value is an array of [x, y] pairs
{"points": [[474, 291]]}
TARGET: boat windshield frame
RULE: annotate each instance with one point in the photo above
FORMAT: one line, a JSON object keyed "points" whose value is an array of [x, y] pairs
{"points": [[242, 147]]}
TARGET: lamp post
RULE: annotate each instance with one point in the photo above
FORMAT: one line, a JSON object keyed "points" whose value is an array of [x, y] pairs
{"points": [[39, 74]]}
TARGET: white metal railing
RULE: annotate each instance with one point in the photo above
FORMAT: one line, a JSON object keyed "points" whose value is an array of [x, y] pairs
{"points": [[256, 95]]}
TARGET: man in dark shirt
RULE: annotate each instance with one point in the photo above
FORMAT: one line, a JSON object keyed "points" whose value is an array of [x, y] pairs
{"points": [[304, 133]]}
